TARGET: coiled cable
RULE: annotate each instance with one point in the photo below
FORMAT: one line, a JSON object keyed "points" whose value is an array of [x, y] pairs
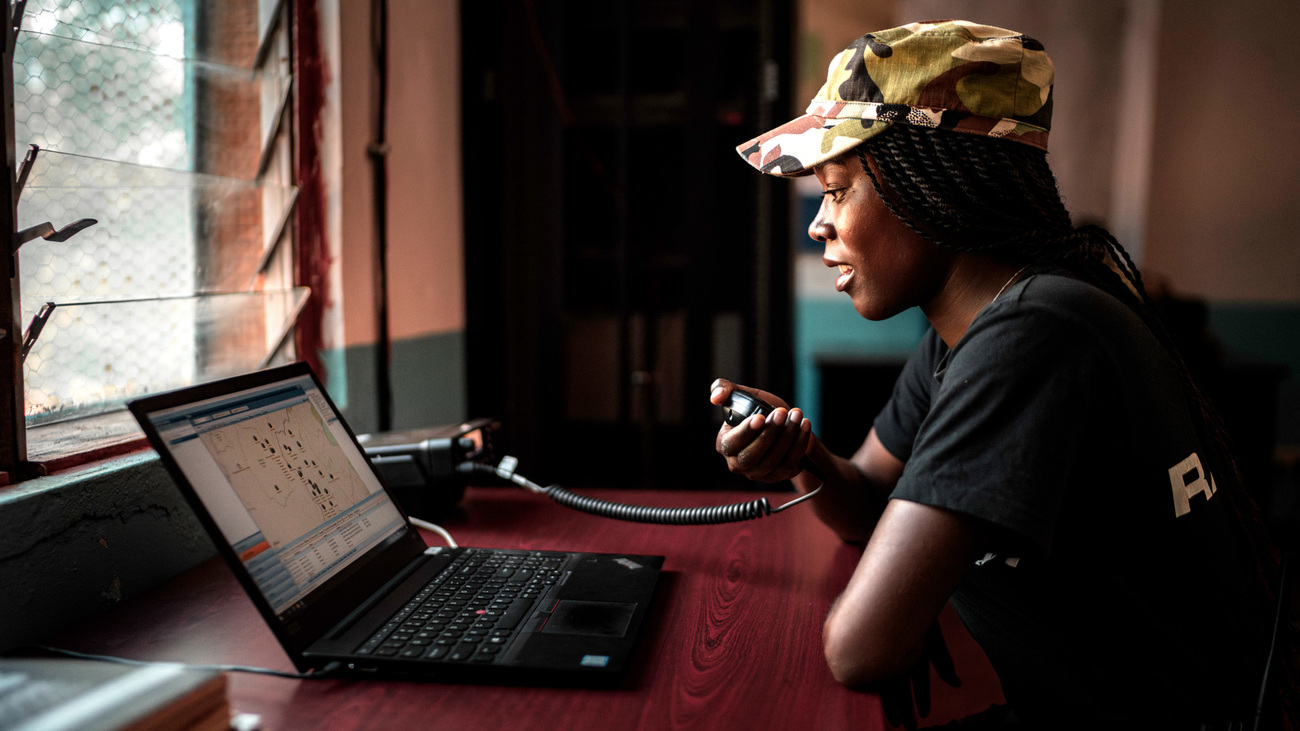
{"points": [[706, 515]]}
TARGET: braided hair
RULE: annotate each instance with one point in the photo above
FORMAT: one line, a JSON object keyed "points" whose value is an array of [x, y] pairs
{"points": [[999, 198]]}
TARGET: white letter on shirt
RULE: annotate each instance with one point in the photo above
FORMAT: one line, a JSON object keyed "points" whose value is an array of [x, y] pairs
{"points": [[1187, 478]]}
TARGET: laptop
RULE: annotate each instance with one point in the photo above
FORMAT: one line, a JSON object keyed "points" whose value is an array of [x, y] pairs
{"points": [[341, 575]]}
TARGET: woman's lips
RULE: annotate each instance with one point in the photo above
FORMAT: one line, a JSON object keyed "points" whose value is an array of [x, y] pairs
{"points": [[846, 273]]}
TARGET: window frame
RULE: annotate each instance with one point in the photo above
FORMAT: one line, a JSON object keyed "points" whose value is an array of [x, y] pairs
{"points": [[83, 440]]}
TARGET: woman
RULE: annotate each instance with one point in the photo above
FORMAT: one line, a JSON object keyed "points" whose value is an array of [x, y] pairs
{"points": [[1045, 461]]}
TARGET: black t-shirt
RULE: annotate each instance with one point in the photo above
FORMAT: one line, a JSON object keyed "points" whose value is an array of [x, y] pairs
{"points": [[1118, 591]]}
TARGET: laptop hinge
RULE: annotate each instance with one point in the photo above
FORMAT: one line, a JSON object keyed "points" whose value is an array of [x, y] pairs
{"points": [[378, 596]]}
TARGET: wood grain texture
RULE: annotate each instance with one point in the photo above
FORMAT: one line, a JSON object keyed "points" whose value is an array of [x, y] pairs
{"points": [[734, 642]]}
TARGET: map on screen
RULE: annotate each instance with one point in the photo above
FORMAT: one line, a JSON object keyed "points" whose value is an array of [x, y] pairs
{"points": [[287, 469]]}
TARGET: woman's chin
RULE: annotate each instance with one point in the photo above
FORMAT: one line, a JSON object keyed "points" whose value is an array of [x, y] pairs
{"points": [[874, 311]]}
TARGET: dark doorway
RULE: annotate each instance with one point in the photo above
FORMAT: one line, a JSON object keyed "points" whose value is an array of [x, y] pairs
{"points": [[619, 254]]}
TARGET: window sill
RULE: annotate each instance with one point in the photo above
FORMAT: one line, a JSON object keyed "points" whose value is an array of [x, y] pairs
{"points": [[58, 447]]}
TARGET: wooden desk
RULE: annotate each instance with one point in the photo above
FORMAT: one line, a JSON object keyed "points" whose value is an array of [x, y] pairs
{"points": [[735, 641]]}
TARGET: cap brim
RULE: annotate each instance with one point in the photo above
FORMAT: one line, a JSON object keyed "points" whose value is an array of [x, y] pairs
{"points": [[796, 147]]}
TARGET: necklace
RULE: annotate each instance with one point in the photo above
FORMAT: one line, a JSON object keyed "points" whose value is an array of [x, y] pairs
{"points": [[1013, 278]]}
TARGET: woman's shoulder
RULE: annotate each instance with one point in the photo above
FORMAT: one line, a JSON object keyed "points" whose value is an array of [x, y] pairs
{"points": [[1053, 284], [1057, 296], [1052, 311]]}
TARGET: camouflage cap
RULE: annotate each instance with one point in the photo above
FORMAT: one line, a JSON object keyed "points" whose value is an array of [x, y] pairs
{"points": [[949, 74]]}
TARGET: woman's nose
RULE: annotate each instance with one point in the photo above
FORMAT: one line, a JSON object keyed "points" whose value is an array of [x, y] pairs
{"points": [[820, 229]]}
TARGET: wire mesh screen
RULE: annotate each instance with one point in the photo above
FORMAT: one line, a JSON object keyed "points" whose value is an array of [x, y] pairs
{"points": [[149, 118]]}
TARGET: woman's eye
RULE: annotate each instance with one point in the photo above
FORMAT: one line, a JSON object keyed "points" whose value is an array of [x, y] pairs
{"points": [[835, 193]]}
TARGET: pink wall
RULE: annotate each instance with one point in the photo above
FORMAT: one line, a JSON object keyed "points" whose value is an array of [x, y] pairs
{"points": [[425, 220], [1224, 216], [425, 213]]}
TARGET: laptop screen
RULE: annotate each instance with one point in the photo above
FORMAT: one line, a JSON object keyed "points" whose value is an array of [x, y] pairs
{"points": [[284, 482]]}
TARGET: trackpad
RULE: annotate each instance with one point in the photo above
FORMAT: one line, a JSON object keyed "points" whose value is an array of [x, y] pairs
{"points": [[601, 619]]}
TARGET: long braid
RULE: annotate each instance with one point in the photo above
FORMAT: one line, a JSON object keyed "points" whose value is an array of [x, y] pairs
{"points": [[976, 194]]}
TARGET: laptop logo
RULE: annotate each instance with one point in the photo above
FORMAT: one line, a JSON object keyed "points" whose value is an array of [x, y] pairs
{"points": [[627, 563], [595, 661]]}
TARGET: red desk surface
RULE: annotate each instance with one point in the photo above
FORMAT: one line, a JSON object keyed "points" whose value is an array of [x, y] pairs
{"points": [[734, 641]]}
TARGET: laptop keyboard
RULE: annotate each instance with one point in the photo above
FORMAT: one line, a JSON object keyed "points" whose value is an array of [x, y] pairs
{"points": [[471, 610]]}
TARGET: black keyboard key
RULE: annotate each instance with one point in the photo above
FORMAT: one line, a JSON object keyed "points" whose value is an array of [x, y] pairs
{"points": [[514, 615], [462, 652]]}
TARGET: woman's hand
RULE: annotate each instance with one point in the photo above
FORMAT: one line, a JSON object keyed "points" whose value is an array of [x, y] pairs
{"points": [[762, 448]]}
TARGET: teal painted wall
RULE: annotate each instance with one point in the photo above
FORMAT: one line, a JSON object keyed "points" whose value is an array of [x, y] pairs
{"points": [[1269, 334], [831, 327]]}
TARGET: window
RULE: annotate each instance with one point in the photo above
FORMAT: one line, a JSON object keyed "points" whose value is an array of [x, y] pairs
{"points": [[166, 122]]}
